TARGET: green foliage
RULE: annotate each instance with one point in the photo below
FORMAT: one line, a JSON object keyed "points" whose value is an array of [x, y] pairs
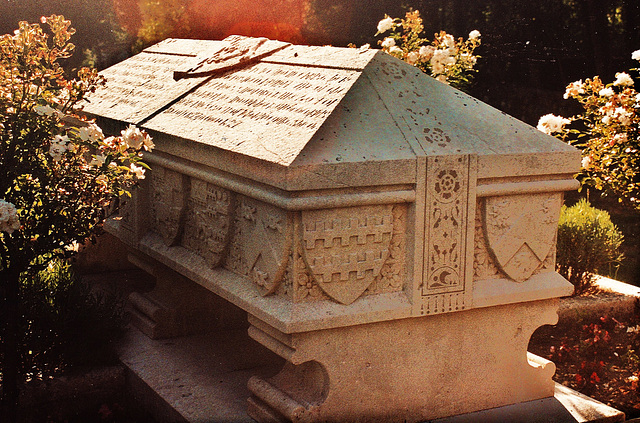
{"points": [[59, 175], [588, 242], [162, 19], [58, 172], [608, 133], [64, 324]]}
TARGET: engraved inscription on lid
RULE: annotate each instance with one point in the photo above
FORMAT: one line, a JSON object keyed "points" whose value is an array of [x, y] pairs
{"points": [[266, 110]]}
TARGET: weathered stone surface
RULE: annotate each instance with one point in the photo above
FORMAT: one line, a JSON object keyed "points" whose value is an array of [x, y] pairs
{"points": [[382, 230]]}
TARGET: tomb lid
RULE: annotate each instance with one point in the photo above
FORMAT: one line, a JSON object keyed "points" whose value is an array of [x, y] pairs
{"points": [[334, 112]]}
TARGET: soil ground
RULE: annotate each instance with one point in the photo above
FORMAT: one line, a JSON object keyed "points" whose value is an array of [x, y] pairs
{"points": [[598, 356]]}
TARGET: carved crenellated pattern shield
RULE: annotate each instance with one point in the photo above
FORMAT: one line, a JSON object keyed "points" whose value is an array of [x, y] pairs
{"points": [[345, 249]]}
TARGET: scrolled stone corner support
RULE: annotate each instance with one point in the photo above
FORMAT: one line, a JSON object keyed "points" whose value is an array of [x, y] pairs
{"points": [[413, 369]]}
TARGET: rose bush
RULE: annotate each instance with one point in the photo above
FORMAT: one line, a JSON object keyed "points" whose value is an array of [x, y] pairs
{"points": [[58, 173], [446, 58], [608, 133]]}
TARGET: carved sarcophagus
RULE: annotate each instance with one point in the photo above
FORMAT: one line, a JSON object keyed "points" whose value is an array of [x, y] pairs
{"points": [[382, 231]]}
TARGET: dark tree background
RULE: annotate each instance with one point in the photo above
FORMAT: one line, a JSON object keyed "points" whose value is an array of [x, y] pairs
{"points": [[531, 49]]}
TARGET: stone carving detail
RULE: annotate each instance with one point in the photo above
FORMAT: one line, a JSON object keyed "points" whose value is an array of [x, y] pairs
{"points": [[306, 288], [168, 197], [345, 249], [392, 275], [445, 224], [443, 303], [436, 136], [208, 221], [127, 210], [262, 243], [520, 230], [484, 266]]}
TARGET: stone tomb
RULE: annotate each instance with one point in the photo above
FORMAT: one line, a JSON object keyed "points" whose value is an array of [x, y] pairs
{"points": [[391, 237]]}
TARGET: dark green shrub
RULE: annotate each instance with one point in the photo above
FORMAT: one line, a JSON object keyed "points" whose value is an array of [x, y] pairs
{"points": [[588, 243], [64, 324]]}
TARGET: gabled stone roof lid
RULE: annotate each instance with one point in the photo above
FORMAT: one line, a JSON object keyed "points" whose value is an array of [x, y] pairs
{"points": [[256, 97], [301, 106]]}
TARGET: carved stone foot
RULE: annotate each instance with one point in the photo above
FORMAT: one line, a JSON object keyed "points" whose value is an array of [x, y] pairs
{"points": [[405, 370], [177, 306]]}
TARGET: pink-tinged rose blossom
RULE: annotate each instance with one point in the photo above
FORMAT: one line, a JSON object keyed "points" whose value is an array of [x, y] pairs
{"points": [[8, 217]]}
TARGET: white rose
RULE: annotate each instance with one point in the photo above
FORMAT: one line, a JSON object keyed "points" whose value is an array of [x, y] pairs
{"points": [[635, 55], [137, 170], [133, 137], [92, 132], [136, 139], [606, 92], [470, 59], [98, 160], [573, 89], [396, 50], [426, 52], [474, 35], [413, 57], [449, 41], [8, 217], [623, 79], [586, 161], [59, 146], [385, 25], [388, 42], [551, 123]]}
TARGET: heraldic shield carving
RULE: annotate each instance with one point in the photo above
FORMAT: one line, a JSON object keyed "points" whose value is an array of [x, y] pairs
{"points": [[520, 231], [208, 221], [345, 249], [168, 199]]}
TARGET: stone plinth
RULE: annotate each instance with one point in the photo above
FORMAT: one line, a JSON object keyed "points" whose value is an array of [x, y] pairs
{"points": [[390, 237]]}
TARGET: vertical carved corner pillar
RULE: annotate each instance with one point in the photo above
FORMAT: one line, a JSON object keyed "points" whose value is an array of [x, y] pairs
{"points": [[176, 306], [410, 370], [445, 223]]}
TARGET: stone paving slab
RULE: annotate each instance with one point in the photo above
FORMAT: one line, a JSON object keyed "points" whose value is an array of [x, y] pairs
{"points": [[566, 406], [200, 378]]}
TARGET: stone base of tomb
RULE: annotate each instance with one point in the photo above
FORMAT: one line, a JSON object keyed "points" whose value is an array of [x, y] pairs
{"points": [[405, 370], [204, 378], [177, 306]]}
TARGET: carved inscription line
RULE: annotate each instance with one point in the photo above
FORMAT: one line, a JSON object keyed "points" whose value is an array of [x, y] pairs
{"points": [[265, 94]]}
